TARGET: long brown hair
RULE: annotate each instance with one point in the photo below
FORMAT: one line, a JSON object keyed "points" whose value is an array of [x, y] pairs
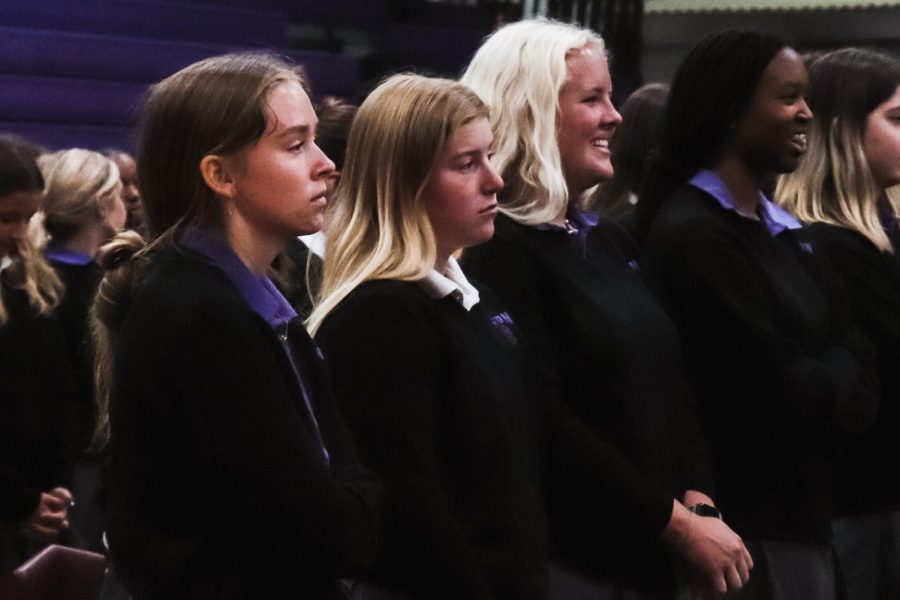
{"points": [[215, 106]]}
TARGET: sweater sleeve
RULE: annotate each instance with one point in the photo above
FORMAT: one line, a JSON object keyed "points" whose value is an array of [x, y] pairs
{"points": [[17, 499], [874, 297], [577, 462], [692, 460], [718, 295], [384, 359], [235, 421]]}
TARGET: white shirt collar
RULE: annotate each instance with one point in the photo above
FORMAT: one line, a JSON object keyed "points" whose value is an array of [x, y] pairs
{"points": [[451, 282], [315, 242]]}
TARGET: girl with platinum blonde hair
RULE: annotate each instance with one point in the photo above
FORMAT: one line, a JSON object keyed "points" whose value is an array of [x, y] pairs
{"points": [[840, 191], [519, 72], [573, 286]]}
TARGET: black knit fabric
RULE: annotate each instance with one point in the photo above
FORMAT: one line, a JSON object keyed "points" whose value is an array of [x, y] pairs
{"points": [[782, 375], [438, 402], [869, 472], [589, 317]]}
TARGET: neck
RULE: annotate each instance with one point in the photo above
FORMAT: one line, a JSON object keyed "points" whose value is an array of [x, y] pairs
{"points": [[88, 240], [256, 251], [742, 183], [440, 263], [560, 219]]}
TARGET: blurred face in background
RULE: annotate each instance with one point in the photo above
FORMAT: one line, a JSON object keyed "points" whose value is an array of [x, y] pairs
{"points": [[16, 210], [131, 195], [881, 142], [113, 212]]}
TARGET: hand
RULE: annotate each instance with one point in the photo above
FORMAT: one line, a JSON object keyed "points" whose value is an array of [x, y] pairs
{"points": [[715, 558], [50, 518]]}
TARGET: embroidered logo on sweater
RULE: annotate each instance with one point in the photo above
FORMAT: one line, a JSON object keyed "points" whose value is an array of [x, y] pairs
{"points": [[504, 324]]}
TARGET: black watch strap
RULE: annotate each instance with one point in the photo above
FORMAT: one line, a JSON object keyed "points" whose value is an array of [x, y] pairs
{"points": [[705, 510]]}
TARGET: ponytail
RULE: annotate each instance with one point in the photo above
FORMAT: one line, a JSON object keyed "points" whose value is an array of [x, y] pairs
{"points": [[122, 260]]}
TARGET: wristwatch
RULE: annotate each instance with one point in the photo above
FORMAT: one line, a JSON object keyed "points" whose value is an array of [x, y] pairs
{"points": [[705, 510]]}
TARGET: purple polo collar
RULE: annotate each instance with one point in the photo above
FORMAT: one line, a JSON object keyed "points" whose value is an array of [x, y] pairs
{"points": [[259, 292], [579, 221], [772, 216], [67, 256]]}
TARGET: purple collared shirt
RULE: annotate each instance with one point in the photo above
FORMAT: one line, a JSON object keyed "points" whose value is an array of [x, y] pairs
{"points": [[578, 222], [260, 294], [67, 256], [772, 216]]}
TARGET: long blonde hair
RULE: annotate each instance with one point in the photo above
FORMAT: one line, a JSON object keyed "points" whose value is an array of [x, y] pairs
{"points": [[834, 183], [519, 72], [378, 226], [215, 106]]}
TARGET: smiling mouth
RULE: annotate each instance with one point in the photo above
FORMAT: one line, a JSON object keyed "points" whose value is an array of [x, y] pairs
{"points": [[600, 143], [799, 140]]}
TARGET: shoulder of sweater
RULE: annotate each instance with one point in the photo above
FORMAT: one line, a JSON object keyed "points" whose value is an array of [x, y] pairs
{"points": [[690, 214], [178, 288], [385, 302], [827, 234]]}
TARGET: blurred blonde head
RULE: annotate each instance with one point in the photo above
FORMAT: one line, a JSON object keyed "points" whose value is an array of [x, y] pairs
{"points": [[834, 182], [82, 188]]}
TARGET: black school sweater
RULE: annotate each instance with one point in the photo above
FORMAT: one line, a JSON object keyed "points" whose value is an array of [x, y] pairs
{"points": [[437, 401], [781, 373], [81, 282], [590, 319], [37, 437], [868, 477], [216, 484]]}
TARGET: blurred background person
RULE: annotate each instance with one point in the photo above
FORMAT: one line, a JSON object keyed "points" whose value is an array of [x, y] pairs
{"points": [[840, 191], [82, 209], [37, 435], [636, 138], [136, 220]]}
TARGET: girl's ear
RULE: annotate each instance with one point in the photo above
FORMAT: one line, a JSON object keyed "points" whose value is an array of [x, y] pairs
{"points": [[217, 174]]}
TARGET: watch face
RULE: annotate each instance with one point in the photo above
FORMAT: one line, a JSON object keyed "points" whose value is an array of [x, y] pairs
{"points": [[705, 510]]}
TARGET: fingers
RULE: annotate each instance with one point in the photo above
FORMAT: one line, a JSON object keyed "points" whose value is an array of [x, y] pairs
{"points": [[55, 520], [743, 567], [734, 579], [747, 557], [63, 495]]}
